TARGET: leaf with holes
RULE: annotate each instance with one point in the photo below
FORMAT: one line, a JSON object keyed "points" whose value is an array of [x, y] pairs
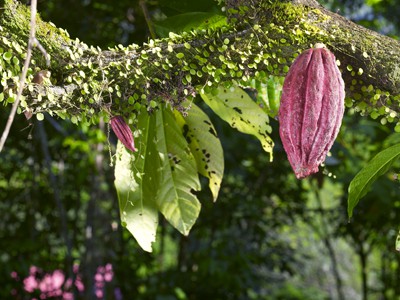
{"points": [[235, 106], [205, 145], [177, 173], [378, 166]]}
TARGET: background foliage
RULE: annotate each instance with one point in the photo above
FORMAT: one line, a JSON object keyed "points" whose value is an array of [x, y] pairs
{"points": [[269, 236]]}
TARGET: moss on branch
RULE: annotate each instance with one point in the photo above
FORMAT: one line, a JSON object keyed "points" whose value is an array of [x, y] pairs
{"points": [[88, 82]]}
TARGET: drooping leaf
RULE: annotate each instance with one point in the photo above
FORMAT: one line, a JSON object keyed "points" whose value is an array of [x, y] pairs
{"points": [[177, 173], [189, 21], [378, 166], [161, 176], [137, 204], [235, 106], [205, 146]]}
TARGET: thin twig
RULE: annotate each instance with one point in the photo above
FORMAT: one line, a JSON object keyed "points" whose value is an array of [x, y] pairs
{"points": [[44, 52], [31, 43]]}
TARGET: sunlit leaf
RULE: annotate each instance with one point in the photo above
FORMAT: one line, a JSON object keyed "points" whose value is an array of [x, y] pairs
{"points": [[177, 173], [161, 176], [237, 108], [373, 2], [134, 177], [398, 242], [40, 116], [204, 144], [189, 21], [378, 166]]}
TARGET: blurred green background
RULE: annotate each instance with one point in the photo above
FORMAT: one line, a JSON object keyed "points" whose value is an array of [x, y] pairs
{"points": [[268, 236]]}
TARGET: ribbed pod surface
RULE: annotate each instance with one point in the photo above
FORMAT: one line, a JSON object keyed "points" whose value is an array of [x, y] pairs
{"points": [[311, 109], [123, 132]]}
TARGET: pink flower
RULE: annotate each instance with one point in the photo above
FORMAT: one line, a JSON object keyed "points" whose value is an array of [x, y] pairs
{"points": [[98, 277], [79, 285], [68, 296], [108, 276], [99, 294], [14, 275], [58, 279], [30, 283]]}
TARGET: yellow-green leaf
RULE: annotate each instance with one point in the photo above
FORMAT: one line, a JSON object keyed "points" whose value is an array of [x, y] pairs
{"points": [[235, 106], [205, 146]]}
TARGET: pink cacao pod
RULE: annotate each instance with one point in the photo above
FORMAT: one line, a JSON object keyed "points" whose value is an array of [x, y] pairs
{"points": [[311, 109], [123, 132]]}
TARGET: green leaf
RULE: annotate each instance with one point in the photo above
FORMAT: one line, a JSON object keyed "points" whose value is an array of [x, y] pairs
{"points": [[205, 146], [40, 116], [135, 175], [7, 56], [189, 21], [268, 93], [161, 176], [361, 183], [177, 174], [274, 91], [373, 2], [235, 106], [398, 242]]}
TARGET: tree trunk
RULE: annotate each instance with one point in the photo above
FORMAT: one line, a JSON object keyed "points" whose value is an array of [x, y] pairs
{"points": [[325, 235], [364, 275], [335, 270], [94, 245], [64, 233]]}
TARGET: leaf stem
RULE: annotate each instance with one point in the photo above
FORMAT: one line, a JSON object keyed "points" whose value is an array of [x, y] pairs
{"points": [[147, 17]]}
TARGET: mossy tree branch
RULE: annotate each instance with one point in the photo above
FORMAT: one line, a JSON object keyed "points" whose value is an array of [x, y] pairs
{"points": [[261, 39]]}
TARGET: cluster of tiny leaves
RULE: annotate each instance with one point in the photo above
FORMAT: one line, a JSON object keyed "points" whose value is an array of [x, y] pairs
{"points": [[10, 68], [124, 79], [365, 99], [368, 99], [88, 83]]}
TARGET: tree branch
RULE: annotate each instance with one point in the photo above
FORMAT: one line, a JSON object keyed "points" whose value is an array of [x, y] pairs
{"points": [[87, 79]]}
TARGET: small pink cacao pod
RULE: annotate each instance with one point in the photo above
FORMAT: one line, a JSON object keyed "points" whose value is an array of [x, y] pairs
{"points": [[311, 109], [123, 132]]}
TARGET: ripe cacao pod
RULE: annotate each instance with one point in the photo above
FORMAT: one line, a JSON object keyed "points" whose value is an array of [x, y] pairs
{"points": [[123, 132], [311, 109]]}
